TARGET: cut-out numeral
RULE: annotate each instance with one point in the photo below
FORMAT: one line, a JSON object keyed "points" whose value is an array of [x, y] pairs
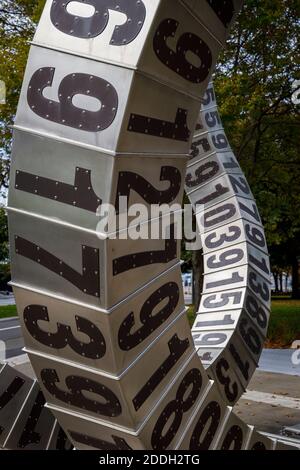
{"points": [[65, 112], [212, 415], [177, 130], [177, 61], [130, 181], [108, 404], [88, 282], [146, 258], [177, 349], [80, 195], [128, 339], [94, 349]]}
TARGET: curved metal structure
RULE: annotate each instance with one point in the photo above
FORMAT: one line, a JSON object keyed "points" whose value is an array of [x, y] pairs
{"points": [[110, 100]]}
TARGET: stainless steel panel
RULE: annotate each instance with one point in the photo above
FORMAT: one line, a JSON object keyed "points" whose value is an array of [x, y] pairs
{"points": [[237, 255], [102, 45], [226, 212], [219, 189], [179, 50], [34, 425], [217, 320], [69, 184], [211, 118], [223, 301], [54, 73], [235, 232], [163, 297], [149, 127], [205, 425], [14, 389], [208, 356], [59, 440], [90, 434], [225, 279], [226, 379], [160, 432], [259, 442], [218, 25], [234, 435], [209, 339], [128, 397], [240, 360], [81, 258]]}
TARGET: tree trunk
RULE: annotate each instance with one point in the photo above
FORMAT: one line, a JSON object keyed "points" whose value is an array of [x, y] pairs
{"points": [[275, 275], [197, 258], [296, 280]]}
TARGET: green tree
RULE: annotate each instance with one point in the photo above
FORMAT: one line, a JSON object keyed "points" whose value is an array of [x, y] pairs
{"points": [[254, 84]]}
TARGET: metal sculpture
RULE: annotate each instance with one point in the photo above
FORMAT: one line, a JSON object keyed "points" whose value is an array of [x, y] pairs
{"points": [[110, 99]]}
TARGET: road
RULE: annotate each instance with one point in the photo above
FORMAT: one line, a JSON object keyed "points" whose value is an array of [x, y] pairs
{"points": [[10, 338]]}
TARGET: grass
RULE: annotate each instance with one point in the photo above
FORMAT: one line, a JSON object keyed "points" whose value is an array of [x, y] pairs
{"points": [[8, 311], [284, 325]]}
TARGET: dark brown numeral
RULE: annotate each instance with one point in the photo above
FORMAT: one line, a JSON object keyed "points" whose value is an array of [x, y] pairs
{"points": [[234, 279], [210, 302], [177, 349], [243, 366], [209, 96], [224, 10], [260, 287], [161, 438], [65, 112], [239, 184], [94, 349], [220, 141], [252, 212], [211, 414], [233, 439], [93, 26], [250, 336], [224, 238], [108, 405], [11, 391], [212, 118], [226, 258], [196, 150], [29, 435], [129, 181], [209, 339], [138, 260], [80, 195], [88, 282], [255, 236], [177, 61], [227, 320], [129, 340], [203, 173], [258, 446], [219, 191], [177, 130], [256, 311], [213, 217], [231, 389], [119, 444]]}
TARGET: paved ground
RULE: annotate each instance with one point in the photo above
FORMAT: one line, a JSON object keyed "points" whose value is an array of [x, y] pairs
{"points": [[272, 402], [11, 338]]}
